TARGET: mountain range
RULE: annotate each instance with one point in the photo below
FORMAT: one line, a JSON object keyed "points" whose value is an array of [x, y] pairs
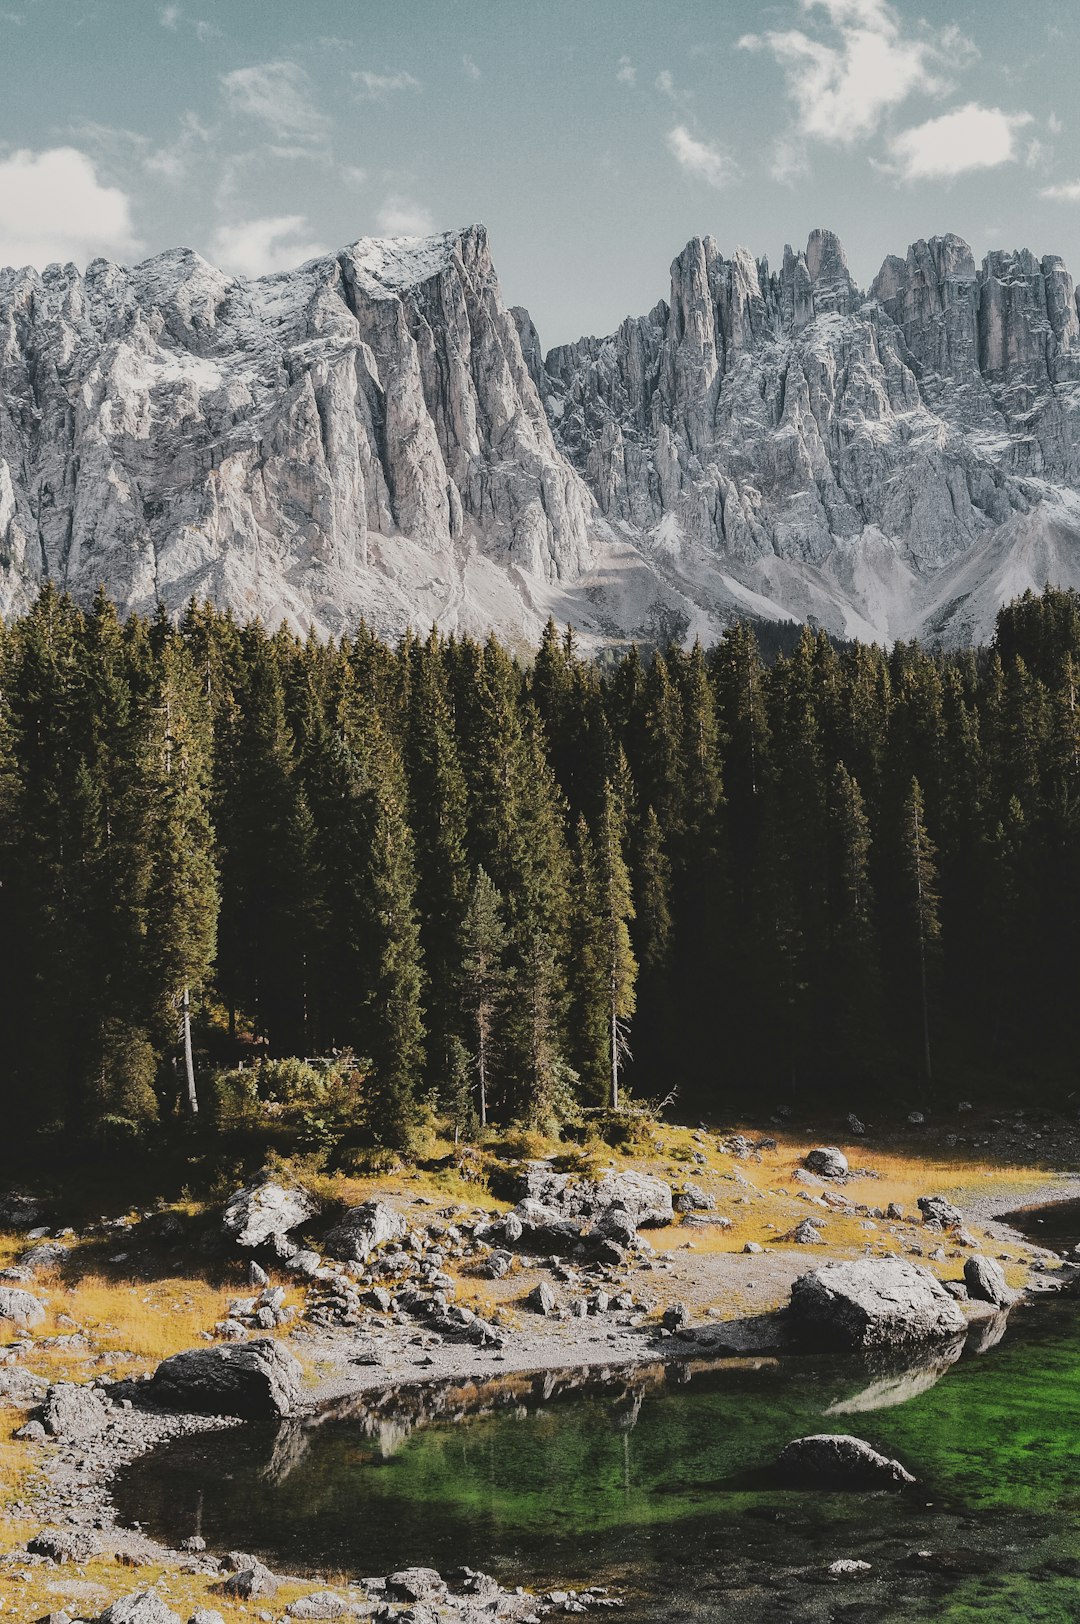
{"points": [[376, 434]]}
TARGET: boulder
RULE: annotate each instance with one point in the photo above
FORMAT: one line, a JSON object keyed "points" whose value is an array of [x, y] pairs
{"points": [[692, 1198], [141, 1607], [648, 1200], [616, 1225], [43, 1255], [321, 1604], [839, 1461], [64, 1544], [846, 1567], [542, 1299], [935, 1209], [206, 1615], [20, 1307], [855, 1124], [827, 1162], [253, 1379], [416, 1584], [263, 1214], [675, 1317], [985, 1279], [807, 1233], [363, 1229], [873, 1303], [249, 1584], [545, 1227], [73, 1413]]}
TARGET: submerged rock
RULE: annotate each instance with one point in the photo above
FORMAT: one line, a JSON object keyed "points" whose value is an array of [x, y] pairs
{"points": [[837, 1460], [252, 1380], [872, 1303]]}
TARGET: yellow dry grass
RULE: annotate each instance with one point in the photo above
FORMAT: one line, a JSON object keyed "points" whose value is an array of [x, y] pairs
{"points": [[43, 1590]]}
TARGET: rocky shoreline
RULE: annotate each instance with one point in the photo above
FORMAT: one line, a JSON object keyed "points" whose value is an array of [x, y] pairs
{"points": [[401, 1362]]}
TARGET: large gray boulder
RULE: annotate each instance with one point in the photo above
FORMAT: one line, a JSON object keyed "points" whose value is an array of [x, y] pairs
{"points": [[21, 1307], [141, 1607], [264, 1214], [544, 1228], [75, 1414], [839, 1461], [251, 1379], [827, 1162], [985, 1280], [363, 1229], [646, 1198], [935, 1209], [873, 1303]]}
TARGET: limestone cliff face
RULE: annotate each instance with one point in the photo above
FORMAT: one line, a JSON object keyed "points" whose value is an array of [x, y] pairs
{"points": [[840, 454], [172, 431], [375, 434]]}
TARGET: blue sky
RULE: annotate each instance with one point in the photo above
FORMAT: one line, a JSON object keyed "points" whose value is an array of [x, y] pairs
{"points": [[593, 137]]}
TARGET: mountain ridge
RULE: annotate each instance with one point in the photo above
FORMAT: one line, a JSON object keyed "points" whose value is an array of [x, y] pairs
{"points": [[375, 433]]}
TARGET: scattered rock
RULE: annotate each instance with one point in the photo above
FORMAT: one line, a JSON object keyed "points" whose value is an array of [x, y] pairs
{"points": [[985, 1279], [321, 1604], [829, 1460], [249, 1584], [263, 1214], [752, 1246], [808, 1233], [675, 1317], [141, 1607], [206, 1615], [416, 1584], [916, 1119], [827, 1162], [935, 1209], [363, 1229], [873, 1303], [20, 1307], [855, 1126], [73, 1413], [542, 1299], [252, 1380], [64, 1544]]}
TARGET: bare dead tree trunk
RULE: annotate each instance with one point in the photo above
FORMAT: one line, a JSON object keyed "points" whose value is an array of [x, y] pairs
{"points": [[189, 1062]]}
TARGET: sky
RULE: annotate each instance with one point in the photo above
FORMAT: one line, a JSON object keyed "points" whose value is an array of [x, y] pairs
{"points": [[594, 138]]}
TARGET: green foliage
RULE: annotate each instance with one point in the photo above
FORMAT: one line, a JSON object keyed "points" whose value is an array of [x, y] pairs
{"points": [[516, 889]]}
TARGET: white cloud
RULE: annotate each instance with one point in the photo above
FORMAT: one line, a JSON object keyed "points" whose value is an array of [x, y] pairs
{"points": [[373, 86], [53, 207], [258, 247], [1065, 192], [471, 69], [172, 16], [702, 159], [971, 137], [626, 73], [401, 217], [353, 174], [842, 86], [665, 83], [1039, 154], [1054, 124], [278, 95], [789, 162], [173, 162]]}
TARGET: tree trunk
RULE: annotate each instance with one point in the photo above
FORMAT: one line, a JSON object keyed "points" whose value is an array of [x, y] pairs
{"points": [[189, 1063]]}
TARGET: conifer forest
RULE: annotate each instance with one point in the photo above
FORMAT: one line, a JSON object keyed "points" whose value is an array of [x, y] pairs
{"points": [[510, 886]]}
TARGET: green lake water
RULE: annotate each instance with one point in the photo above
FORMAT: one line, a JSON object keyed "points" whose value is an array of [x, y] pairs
{"points": [[658, 1485]]}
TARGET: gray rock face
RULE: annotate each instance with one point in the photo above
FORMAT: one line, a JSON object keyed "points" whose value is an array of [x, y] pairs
{"points": [[829, 1460], [20, 1307], [262, 1214], [253, 1379], [375, 433], [829, 1162], [985, 1279], [363, 1229], [647, 1199], [873, 1303]]}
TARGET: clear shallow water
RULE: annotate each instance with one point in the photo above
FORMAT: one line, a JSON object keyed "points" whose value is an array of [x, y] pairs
{"points": [[655, 1483]]}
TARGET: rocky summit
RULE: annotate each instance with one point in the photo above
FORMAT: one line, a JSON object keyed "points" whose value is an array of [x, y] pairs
{"points": [[374, 434]]}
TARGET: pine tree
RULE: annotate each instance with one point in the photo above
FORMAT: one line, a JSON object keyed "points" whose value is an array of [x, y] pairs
{"points": [[485, 985], [923, 944]]}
